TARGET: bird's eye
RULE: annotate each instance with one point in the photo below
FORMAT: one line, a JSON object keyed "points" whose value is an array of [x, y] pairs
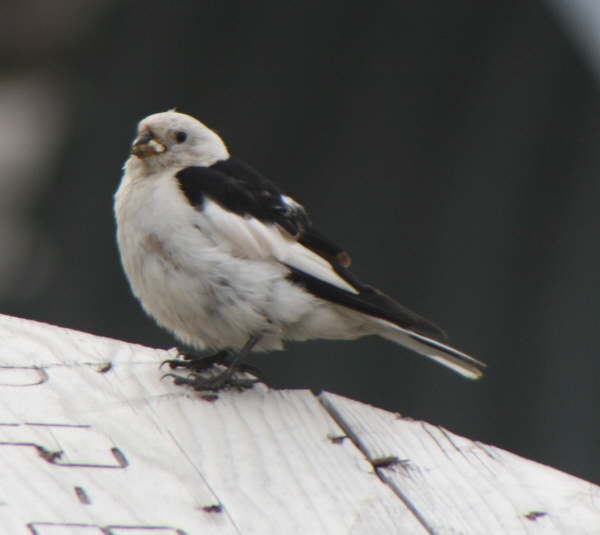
{"points": [[180, 137]]}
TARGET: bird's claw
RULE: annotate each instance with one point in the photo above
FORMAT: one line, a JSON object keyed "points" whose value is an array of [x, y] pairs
{"points": [[173, 363]]}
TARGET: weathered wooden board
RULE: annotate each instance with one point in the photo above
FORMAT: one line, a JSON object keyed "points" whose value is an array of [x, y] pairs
{"points": [[458, 486], [92, 442]]}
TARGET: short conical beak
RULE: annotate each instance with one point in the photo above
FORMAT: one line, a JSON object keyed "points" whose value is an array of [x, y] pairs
{"points": [[146, 145]]}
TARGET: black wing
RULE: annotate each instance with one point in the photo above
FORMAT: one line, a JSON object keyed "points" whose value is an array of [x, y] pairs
{"points": [[240, 189], [369, 301]]}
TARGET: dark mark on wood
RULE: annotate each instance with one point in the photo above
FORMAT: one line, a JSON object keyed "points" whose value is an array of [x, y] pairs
{"points": [[211, 398], [120, 457], [385, 462], [534, 515], [107, 366], [82, 496], [48, 455], [336, 439], [214, 508]]}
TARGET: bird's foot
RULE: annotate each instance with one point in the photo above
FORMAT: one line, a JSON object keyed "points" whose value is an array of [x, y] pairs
{"points": [[201, 375], [222, 381], [195, 362], [199, 364]]}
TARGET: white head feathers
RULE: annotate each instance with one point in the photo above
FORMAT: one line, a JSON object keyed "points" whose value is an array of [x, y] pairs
{"points": [[170, 139]]}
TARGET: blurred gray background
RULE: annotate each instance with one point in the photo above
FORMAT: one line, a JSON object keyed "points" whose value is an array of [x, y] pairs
{"points": [[452, 147]]}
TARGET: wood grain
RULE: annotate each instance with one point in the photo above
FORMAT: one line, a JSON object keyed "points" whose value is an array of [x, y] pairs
{"points": [[92, 442], [458, 486]]}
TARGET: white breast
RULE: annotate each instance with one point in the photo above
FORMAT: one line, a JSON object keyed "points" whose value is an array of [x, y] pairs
{"points": [[185, 277]]}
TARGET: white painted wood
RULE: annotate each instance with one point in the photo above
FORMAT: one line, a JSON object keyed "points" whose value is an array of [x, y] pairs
{"points": [[92, 448], [459, 486], [92, 442]]}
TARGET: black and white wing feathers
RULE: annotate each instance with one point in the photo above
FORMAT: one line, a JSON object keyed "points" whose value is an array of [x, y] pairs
{"points": [[250, 211], [256, 219], [243, 191]]}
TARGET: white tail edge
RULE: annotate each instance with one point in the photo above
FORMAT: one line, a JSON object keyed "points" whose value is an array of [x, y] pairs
{"points": [[447, 356]]}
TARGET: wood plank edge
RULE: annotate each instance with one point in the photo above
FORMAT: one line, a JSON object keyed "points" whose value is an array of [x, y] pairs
{"points": [[378, 465]]}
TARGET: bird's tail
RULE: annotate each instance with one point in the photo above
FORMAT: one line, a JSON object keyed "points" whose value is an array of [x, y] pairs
{"points": [[452, 358]]}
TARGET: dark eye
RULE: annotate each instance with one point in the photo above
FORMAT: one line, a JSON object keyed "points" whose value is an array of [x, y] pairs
{"points": [[180, 137]]}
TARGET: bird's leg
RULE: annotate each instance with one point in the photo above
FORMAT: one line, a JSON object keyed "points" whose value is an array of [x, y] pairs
{"points": [[236, 363], [225, 378]]}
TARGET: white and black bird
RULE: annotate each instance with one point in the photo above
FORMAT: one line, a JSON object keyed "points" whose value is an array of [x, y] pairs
{"points": [[220, 257]]}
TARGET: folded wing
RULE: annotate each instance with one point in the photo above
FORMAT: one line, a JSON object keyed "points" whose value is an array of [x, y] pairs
{"points": [[257, 221]]}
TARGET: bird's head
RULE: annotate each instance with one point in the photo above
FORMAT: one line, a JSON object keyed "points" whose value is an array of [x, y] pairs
{"points": [[175, 139]]}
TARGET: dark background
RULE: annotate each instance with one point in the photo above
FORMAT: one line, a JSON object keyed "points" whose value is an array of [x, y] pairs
{"points": [[452, 147]]}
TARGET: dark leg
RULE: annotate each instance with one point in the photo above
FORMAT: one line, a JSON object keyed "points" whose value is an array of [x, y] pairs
{"points": [[224, 379]]}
